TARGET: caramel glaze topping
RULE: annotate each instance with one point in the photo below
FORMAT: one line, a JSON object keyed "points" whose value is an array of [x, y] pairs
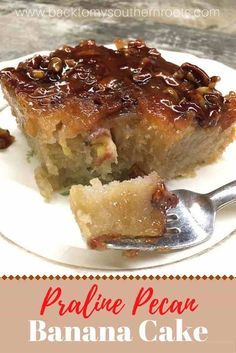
{"points": [[6, 139], [118, 81]]}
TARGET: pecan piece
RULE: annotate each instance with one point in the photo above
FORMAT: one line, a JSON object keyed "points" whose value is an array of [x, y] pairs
{"points": [[163, 199], [55, 64], [37, 74], [193, 74], [6, 139]]}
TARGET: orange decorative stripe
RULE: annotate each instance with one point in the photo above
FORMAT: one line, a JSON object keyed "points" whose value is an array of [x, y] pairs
{"points": [[104, 277]]}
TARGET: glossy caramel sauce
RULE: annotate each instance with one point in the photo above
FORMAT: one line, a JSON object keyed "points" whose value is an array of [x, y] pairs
{"points": [[133, 77]]}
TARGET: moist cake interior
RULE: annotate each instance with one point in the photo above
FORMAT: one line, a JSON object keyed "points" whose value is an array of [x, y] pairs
{"points": [[133, 208]]}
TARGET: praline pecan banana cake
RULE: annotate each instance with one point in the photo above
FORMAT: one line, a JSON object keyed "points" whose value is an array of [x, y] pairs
{"points": [[133, 208], [89, 111]]}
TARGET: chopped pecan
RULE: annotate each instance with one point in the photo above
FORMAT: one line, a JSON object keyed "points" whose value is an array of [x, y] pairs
{"points": [[163, 199], [55, 64], [137, 43], [37, 74], [193, 74]]}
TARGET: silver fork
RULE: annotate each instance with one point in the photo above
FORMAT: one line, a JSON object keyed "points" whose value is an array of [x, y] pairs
{"points": [[190, 223]]}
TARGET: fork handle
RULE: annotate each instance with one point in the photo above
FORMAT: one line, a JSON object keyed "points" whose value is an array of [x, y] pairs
{"points": [[223, 196]]}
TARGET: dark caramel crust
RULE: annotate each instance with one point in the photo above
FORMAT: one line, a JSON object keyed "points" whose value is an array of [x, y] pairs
{"points": [[131, 78]]}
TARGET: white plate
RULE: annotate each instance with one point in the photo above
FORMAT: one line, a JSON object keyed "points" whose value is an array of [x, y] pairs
{"points": [[49, 229]]}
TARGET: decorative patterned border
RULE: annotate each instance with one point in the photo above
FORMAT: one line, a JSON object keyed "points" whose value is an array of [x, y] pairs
{"points": [[117, 277]]}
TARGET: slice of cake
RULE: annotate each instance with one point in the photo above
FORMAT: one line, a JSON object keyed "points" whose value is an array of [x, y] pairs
{"points": [[89, 111], [133, 208]]}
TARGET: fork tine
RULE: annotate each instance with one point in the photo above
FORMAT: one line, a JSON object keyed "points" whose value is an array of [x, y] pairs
{"points": [[172, 220], [172, 223], [171, 217], [172, 231]]}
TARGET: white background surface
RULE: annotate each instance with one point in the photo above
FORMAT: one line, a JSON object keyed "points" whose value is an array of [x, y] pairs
{"points": [[15, 261]]}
